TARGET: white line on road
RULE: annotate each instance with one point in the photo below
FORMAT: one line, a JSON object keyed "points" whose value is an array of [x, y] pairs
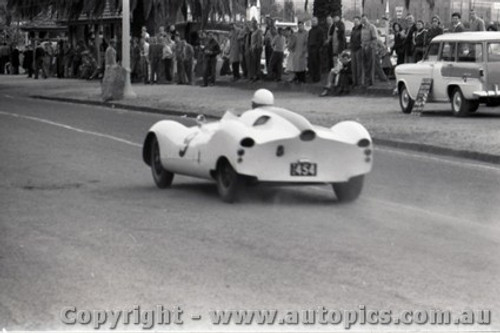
{"points": [[398, 206], [79, 130], [441, 159], [461, 162]]}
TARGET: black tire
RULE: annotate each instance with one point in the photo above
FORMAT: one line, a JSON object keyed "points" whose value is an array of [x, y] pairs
{"points": [[461, 106], [228, 182], [405, 101], [350, 190], [162, 177], [474, 106], [493, 102]]}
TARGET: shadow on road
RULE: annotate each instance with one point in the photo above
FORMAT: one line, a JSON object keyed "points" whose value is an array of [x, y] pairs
{"points": [[448, 114]]}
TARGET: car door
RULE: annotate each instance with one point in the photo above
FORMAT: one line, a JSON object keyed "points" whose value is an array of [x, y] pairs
{"points": [[492, 70], [431, 58], [442, 71]]}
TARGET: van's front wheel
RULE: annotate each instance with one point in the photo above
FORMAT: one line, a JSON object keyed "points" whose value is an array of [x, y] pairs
{"points": [[405, 101]]}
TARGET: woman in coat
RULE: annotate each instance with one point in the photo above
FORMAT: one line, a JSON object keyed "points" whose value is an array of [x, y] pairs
{"points": [[399, 42], [234, 52], [300, 54]]}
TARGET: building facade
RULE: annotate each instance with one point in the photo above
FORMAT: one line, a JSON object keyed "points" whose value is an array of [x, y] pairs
{"points": [[489, 10]]}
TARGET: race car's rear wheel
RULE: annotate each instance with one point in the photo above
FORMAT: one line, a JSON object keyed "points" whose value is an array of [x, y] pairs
{"points": [[405, 101], [350, 190], [228, 182], [162, 177]]}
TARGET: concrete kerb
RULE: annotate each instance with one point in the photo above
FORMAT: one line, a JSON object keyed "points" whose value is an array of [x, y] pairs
{"points": [[424, 148]]}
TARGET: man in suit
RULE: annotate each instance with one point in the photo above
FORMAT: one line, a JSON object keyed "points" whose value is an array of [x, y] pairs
{"points": [[456, 23], [476, 23]]}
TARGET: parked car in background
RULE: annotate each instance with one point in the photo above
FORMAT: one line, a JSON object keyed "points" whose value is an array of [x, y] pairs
{"points": [[464, 68]]}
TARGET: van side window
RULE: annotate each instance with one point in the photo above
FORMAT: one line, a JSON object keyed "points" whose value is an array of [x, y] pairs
{"points": [[432, 52], [470, 52], [493, 52], [448, 52]]}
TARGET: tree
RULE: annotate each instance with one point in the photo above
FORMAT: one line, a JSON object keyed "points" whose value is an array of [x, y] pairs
{"points": [[323, 8], [5, 15], [289, 10], [163, 10], [269, 7]]}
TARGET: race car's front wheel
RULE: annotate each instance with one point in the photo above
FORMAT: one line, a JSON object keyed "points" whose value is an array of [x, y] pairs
{"points": [[405, 101], [350, 190], [162, 177], [228, 182]]}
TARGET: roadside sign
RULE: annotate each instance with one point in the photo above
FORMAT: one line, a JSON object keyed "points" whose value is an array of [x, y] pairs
{"points": [[399, 11], [423, 94]]}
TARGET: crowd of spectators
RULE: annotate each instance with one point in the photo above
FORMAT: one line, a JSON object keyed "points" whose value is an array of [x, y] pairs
{"points": [[247, 52]]}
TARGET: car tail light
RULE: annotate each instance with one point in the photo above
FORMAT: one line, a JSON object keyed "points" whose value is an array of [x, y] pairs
{"points": [[307, 135], [247, 142], [363, 143]]}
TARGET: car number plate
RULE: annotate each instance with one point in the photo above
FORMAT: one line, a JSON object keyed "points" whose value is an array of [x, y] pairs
{"points": [[303, 169]]}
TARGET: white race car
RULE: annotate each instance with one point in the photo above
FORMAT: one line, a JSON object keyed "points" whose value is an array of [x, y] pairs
{"points": [[263, 145]]}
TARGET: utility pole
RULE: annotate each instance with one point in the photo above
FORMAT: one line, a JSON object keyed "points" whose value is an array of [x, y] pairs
{"points": [[128, 92]]}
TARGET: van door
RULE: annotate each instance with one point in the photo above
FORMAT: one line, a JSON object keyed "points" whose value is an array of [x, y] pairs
{"points": [[442, 72], [492, 71]]}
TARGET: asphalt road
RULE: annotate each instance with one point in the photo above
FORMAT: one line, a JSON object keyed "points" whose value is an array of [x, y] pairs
{"points": [[83, 225]]}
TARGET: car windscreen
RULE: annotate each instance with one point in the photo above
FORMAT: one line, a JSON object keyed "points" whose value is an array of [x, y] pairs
{"points": [[432, 52], [494, 52]]}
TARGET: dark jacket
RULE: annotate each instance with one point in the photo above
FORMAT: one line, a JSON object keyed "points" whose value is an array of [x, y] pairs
{"points": [[39, 52], [459, 28], [399, 44], [356, 38], [212, 49], [433, 32], [28, 59], [420, 39], [339, 29], [316, 38], [14, 56], [409, 38]]}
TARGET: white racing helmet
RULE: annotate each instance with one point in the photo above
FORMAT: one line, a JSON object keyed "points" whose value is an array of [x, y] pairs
{"points": [[262, 97]]}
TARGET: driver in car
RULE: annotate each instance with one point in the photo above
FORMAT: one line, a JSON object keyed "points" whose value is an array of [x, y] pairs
{"points": [[262, 98]]}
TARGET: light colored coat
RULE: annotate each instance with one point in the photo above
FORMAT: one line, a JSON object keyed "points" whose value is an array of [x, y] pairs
{"points": [[234, 51], [300, 52]]}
